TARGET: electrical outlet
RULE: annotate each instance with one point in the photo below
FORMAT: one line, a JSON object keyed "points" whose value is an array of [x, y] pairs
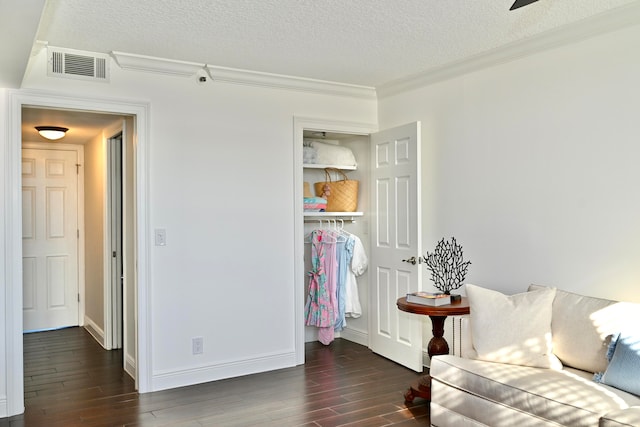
{"points": [[197, 345]]}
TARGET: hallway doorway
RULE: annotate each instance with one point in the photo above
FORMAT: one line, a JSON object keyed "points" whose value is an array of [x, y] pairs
{"points": [[81, 240], [138, 112]]}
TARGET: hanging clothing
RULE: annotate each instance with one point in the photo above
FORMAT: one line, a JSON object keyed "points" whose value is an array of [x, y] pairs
{"points": [[333, 289], [318, 308], [359, 264], [343, 254], [326, 333]]}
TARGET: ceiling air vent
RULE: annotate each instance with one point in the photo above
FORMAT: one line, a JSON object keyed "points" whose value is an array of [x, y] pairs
{"points": [[76, 64]]}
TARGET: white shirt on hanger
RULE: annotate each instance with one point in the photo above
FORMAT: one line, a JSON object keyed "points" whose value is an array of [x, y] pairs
{"points": [[359, 264]]}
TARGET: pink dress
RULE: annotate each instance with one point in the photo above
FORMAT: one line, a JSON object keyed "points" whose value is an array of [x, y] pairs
{"points": [[320, 308]]}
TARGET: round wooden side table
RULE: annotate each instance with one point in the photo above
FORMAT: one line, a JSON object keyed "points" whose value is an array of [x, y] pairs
{"points": [[437, 344]]}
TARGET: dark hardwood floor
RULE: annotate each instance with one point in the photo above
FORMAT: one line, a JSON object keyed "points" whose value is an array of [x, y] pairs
{"points": [[71, 381]]}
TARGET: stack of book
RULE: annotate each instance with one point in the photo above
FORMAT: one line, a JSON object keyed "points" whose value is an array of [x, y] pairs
{"points": [[429, 298]]}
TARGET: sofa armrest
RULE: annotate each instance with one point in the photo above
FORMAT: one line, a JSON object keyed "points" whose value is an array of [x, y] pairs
{"points": [[621, 417], [466, 343]]}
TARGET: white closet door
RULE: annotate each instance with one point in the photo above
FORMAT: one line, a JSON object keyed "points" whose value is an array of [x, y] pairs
{"points": [[49, 239], [396, 236]]}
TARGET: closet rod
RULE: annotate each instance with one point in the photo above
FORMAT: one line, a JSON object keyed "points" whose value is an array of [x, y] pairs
{"points": [[351, 220]]}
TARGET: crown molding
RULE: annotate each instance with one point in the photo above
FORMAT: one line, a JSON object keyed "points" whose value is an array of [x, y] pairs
{"points": [[612, 20], [280, 81], [152, 64]]}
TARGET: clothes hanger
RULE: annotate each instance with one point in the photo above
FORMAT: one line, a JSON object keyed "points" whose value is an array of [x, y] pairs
{"points": [[341, 235], [307, 238], [346, 234]]}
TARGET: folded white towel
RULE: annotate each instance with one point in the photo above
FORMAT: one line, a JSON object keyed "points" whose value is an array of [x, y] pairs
{"points": [[309, 155], [329, 154]]}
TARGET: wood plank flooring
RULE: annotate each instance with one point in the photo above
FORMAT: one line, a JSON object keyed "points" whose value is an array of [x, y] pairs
{"points": [[71, 381]]}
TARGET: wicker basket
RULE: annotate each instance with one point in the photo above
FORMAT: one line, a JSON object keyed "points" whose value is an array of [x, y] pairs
{"points": [[307, 190], [342, 194]]}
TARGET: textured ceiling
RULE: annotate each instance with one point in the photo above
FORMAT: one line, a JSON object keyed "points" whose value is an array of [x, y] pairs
{"points": [[364, 42], [361, 42]]}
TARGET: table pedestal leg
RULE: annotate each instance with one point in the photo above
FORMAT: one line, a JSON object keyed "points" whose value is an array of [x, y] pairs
{"points": [[437, 345]]}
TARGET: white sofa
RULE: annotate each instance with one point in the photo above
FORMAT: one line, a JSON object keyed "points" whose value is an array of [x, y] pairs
{"points": [[470, 392]]}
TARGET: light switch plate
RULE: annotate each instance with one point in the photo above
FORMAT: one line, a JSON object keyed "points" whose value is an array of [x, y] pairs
{"points": [[161, 237]]}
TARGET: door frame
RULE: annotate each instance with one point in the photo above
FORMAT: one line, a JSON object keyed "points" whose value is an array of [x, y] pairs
{"points": [[13, 219], [300, 124], [113, 307], [79, 150], [118, 324]]}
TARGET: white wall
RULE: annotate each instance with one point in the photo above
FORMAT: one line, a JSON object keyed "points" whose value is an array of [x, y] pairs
{"points": [[94, 197], [533, 166], [221, 184]]}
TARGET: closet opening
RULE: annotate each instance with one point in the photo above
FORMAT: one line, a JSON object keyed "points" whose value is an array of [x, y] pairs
{"points": [[387, 221], [335, 234]]}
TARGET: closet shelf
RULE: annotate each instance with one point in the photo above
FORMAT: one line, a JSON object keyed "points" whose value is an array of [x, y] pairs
{"points": [[332, 214], [314, 166], [345, 216]]}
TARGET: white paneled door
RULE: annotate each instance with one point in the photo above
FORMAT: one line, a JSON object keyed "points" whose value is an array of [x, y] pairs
{"points": [[396, 237], [49, 238]]}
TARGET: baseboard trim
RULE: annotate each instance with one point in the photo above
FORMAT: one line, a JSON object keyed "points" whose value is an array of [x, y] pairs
{"points": [[355, 335], [4, 412], [95, 331], [426, 360], [179, 378], [130, 366]]}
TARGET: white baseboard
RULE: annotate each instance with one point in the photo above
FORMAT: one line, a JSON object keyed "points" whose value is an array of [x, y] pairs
{"points": [[202, 374], [426, 360], [130, 366], [355, 335], [96, 332], [4, 412], [310, 334], [351, 334]]}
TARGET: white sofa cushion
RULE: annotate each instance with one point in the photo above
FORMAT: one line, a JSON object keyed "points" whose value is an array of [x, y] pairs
{"points": [[453, 403], [582, 328], [513, 329], [623, 417], [566, 397]]}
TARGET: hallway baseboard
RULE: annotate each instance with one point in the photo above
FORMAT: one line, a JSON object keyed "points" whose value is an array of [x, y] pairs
{"points": [[220, 371], [96, 332]]}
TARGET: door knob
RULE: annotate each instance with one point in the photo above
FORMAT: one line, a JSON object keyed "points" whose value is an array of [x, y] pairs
{"points": [[411, 260]]}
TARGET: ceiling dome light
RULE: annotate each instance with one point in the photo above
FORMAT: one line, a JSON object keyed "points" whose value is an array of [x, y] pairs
{"points": [[51, 132]]}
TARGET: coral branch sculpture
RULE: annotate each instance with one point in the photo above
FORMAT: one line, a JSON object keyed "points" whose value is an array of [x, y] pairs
{"points": [[447, 266]]}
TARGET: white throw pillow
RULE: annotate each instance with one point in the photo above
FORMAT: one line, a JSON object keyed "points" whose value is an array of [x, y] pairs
{"points": [[513, 329]]}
